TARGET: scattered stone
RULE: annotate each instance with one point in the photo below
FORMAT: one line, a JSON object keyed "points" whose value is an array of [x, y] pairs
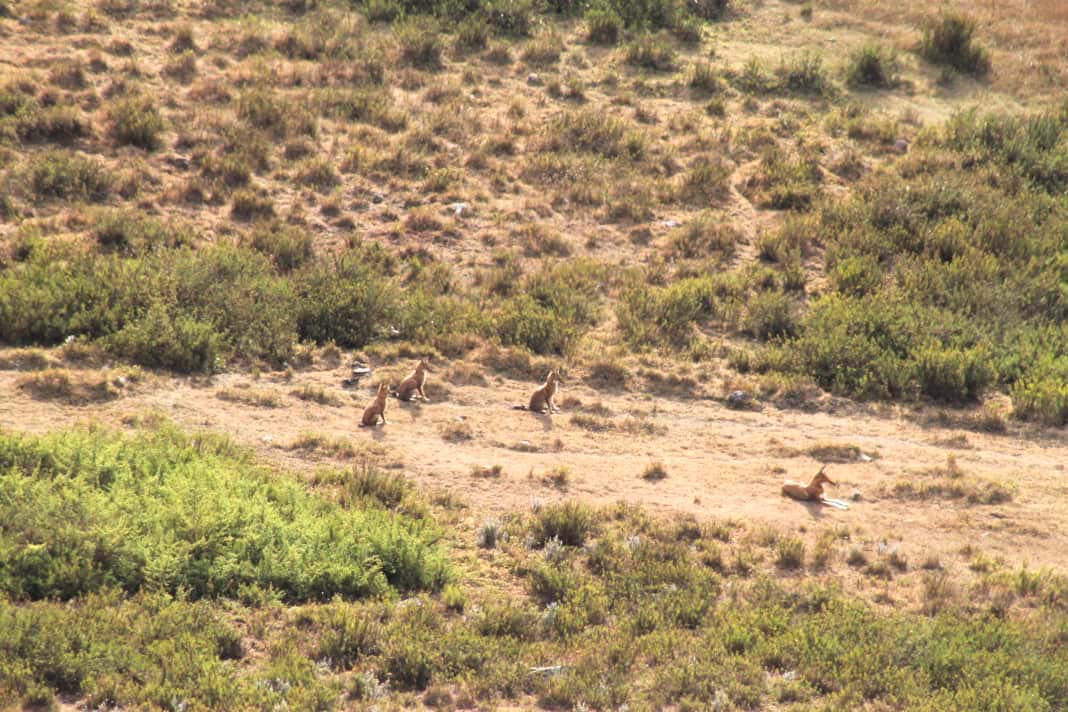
{"points": [[533, 79], [458, 209], [179, 162], [738, 399], [377, 197], [901, 145], [670, 223], [855, 496]]}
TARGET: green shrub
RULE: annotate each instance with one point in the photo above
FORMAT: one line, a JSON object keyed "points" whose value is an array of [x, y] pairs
{"points": [[134, 234], [69, 176], [136, 121], [544, 48], [603, 26], [706, 181], [472, 34], [649, 316], [949, 40], [383, 10], [317, 173], [288, 245], [523, 321], [595, 132], [647, 14], [709, 9], [871, 66], [704, 77], [248, 205], [704, 236], [804, 73], [953, 375], [58, 124], [771, 315], [347, 300], [166, 338], [108, 650], [570, 522], [790, 553], [210, 523], [1041, 397]]}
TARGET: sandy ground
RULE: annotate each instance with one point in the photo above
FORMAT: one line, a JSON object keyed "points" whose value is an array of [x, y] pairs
{"points": [[720, 463]]}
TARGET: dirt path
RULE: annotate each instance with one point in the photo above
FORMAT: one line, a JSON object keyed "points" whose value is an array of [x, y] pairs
{"points": [[720, 463]]}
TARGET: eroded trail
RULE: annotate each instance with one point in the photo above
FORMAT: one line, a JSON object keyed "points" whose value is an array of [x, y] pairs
{"points": [[720, 463]]}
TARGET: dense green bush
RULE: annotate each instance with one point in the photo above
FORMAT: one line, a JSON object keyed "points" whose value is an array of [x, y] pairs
{"points": [[288, 245], [86, 511], [151, 650], [349, 299]]}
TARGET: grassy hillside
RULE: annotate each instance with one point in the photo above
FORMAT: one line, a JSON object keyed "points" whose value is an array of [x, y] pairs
{"points": [[203, 187]]}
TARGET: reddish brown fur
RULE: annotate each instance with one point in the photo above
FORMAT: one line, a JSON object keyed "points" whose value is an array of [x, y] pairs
{"points": [[541, 400], [414, 382], [377, 409], [812, 492]]}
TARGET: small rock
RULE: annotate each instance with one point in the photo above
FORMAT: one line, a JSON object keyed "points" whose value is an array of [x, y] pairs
{"points": [[179, 162], [267, 438], [855, 496], [864, 458], [377, 197], [901, 145], [533, 79], [737, 399], [458, 209], [670, 223]]}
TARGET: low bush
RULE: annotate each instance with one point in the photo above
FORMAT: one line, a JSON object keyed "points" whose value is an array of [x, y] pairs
{"points": [[69, 176], [651, 52], [872, 66], [603, 26], [950, 40], [210, 523], [136, 121], [570, 522]]}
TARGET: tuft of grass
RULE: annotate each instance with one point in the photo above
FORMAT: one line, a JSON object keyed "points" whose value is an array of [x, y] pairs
{"points": [[654, 472], [74, 387], [316, 394], [248, 205], [789, 553], [135, 121], [250, 396], [872, 66], [457, 432], [650, 52], [603, 26], [69, 176], [570, 522]]}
